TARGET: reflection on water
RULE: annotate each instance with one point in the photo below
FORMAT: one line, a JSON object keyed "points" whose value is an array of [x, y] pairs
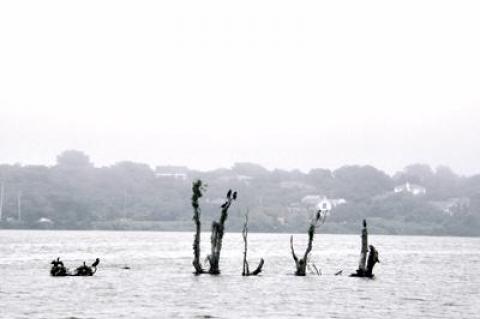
{"points": [[427, 277]]}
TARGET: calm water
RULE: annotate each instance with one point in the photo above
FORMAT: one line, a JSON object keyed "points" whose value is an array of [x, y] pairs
{"points": [[422, 277]]}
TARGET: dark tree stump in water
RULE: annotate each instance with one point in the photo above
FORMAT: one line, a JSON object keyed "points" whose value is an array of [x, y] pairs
{"points": [[218, 228], [246, 269], [301, 263], [197, 189], [365, 266], [59, 270], [372, 260], [362, 264]]}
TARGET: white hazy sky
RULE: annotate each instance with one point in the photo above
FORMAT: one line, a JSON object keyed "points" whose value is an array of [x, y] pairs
{"points": [[286, 84]]}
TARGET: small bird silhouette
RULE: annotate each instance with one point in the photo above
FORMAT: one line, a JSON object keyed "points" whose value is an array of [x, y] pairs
{"points": [[96, 262], [229, 194], [364, 223], [234, 195]]}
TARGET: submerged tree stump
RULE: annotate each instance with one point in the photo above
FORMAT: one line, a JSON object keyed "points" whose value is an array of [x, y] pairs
{"points": [[246, 269], [372, 260], [59, 270], [365, 267], [197, 189], [218, 228], [301, 263], [362, 264]]}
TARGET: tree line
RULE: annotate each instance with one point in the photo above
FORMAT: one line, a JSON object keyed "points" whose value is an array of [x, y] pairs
{"points": [[75, 194]]}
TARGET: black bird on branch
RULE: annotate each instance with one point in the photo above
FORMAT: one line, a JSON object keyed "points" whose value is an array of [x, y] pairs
{"points": [[95, 263]]}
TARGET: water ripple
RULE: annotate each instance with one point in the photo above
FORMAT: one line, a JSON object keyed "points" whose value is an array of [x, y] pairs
{"points": [[415, 278]]}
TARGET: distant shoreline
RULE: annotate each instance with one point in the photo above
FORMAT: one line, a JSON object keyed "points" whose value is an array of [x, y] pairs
{"points": [[207, 231]]}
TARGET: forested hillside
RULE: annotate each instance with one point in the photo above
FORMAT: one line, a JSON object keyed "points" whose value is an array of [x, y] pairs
{"points": [[74, 194]]}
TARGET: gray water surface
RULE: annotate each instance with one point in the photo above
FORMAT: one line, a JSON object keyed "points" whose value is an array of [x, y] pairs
{"points": [[418, 277]]}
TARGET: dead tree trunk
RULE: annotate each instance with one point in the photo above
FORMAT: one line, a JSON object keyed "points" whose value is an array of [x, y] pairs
{"points": [[197, 189], [365, 267], [246, 269], [301, 263], [372, 260], [217, 235], [362, 264], [217, 231]]}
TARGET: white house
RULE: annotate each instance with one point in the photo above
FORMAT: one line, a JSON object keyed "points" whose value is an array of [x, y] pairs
{"points": [[322, 202], [44, 220], [325, 205]]}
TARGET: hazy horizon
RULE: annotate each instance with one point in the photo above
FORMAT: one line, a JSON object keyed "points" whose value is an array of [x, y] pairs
{"points": [[287, 85], [206, 85], [154, 166]]}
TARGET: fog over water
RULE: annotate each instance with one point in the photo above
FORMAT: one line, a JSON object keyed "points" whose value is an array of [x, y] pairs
{"points": [[282, 84], [367, 87]]}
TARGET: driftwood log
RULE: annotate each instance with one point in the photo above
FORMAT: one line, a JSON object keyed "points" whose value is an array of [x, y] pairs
{"points": [[246, 269], [218, 229], [365, 265], [301, 263]]}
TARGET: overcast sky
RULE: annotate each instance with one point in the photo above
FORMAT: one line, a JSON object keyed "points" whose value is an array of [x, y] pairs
{"points": [[286, 84]]}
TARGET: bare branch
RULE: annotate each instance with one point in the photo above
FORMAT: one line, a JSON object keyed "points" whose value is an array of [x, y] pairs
{"points": [[293, 250], [259, 267], [246, 269], [301, 264]]}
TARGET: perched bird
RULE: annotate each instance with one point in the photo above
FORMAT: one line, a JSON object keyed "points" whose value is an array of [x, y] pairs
{"points": [[56, 262], [229, 194], [365, 223], [234, 195], [96, 262]]}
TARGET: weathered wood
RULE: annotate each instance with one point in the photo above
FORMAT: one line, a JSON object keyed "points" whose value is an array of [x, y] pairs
{"points": [[218, 229], [301, 263], [197, 189], [246, 269], [259, 267], [59, 270], [365, 266], [362, 264], [372, 260]]}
